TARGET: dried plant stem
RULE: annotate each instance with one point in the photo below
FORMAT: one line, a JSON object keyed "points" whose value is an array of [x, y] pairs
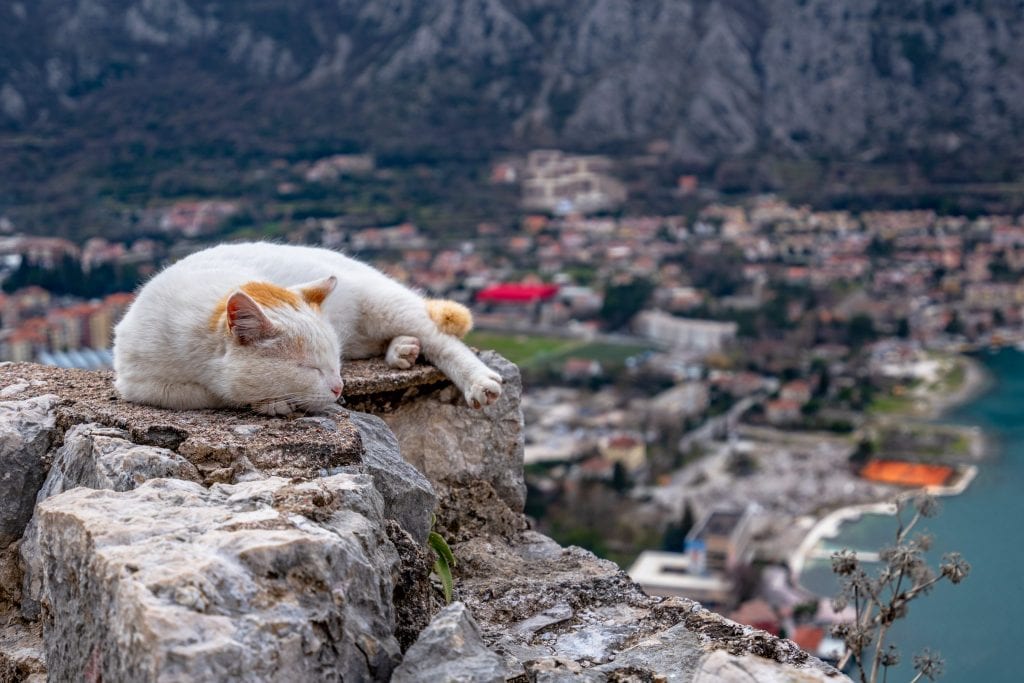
{"points": [[880, 600]]}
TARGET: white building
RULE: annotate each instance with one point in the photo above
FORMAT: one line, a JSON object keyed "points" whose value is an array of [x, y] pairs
{"points": [[668, 574], [685, 334], [565, 183], [674, 405]]}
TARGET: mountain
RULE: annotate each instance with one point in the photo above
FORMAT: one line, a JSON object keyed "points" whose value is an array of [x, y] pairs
{"points": [[852, 80]]}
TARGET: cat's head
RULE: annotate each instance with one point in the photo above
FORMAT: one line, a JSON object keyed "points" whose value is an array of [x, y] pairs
{"points": [[282, 355]]}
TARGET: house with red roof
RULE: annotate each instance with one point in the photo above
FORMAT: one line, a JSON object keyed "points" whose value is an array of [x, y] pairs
{"points": [[514, 293]]}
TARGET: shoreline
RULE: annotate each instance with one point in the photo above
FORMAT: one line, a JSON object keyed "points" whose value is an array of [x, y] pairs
{"points": [[828, 526], [977, 380]]}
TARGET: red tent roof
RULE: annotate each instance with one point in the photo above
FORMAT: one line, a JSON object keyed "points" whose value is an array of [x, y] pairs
{"points": [[517, 293]]}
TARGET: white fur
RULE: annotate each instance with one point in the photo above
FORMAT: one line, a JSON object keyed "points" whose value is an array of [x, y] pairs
{"points": [[165, 354]]}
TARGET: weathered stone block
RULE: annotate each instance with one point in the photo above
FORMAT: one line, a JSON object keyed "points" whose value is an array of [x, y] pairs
{"points": [[95, 457], [21, 652], [562, 614], [303, 560], [453, 444], [450, 650], [408, 497], [258, 581], [27, 429]]}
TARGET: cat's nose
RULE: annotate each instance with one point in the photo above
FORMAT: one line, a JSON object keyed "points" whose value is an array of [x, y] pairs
{"points": [[336, 388]]}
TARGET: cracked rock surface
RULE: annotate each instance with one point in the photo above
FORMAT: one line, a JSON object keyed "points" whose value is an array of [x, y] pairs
{"points": [[450, 649], [141, 544], [456, 447], [562, 614], [259, 581]]}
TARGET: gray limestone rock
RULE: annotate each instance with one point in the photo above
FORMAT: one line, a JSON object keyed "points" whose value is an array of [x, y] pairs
{"points": [[450, 650], [408, 497], [562, 614], [304, 560], [784, 80], [722, 667], [414, 596], [27, 429], [258, 581], [95, 457], [453, 444], [21, 652], [99, 457]]}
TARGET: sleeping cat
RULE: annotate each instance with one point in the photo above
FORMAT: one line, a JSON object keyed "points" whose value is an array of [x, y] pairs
{"points": [[266, 325]]}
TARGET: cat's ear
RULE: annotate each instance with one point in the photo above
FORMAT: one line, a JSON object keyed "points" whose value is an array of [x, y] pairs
{"points": [[246, 320], [316, 291]]}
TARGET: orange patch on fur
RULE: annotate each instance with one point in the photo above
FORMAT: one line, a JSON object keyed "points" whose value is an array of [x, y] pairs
{"points": [[270, 295], [315, 296], [450, 317], [263, 293], [220, 313]]}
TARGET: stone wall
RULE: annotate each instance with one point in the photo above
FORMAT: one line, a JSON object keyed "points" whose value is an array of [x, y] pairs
{"points": [[144, 544]]}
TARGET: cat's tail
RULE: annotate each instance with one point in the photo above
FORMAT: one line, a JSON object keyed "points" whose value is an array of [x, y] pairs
{"points": [[450, 317]]}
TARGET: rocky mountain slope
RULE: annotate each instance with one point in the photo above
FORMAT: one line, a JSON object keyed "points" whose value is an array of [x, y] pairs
{"points": [[856, 79]]}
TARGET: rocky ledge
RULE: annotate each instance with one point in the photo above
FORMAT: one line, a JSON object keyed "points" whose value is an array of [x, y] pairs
{"points": [[139, 544]]}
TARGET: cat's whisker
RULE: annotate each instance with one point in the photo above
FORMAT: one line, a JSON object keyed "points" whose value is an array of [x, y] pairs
{"points": [[281, 397]]}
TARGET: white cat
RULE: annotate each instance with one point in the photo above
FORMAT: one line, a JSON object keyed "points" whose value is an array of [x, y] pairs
{"points": [[266, 325]]}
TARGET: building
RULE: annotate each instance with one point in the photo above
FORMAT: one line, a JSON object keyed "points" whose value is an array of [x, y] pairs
{"points": [[668, 574], [725, 535], [759, 614], [581, 369], [782, 411], [561, 183], [194, 218], [333, 167], [628, 449], [797, 390], [673, 406], [46, 252], [913, 474], [685, 334], [517, 294], [80, 328]]}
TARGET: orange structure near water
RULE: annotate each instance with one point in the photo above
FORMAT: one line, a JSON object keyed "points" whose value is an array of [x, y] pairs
{"points": [[906, 473]]}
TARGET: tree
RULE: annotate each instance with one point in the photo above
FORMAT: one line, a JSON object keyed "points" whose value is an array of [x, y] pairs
{"points": [[623, 301], [860, 456], [880, 600], [955, 326], [69, 278], [879, 247], [861, 330], [675, 534], [620, 478]]}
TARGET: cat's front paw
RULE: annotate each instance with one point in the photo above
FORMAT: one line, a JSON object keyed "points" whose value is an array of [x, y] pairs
{"points": [[484, 391], [403, 352], [274, 409]]}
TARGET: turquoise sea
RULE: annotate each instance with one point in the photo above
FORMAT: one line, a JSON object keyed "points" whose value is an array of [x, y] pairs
{"points": [[977, 626]]}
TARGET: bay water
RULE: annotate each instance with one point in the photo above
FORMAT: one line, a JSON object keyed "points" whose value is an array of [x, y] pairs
{"points": [[977, 626]]}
